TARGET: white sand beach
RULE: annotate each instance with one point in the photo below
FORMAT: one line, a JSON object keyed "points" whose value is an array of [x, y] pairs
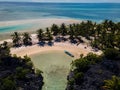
{"points": [[75, 50], [58, 46], [44, 21]]}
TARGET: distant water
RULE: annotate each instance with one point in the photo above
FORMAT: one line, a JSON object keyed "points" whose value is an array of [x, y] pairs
{"points": [[80, 11], [83, 11]]}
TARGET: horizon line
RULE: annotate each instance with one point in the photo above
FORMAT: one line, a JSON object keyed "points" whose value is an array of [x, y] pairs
{"points": [[53, 2]]}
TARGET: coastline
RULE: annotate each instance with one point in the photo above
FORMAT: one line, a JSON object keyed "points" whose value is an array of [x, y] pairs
{"points": [[81, 51], [34, 25], [46, 20], [43, 23], [34, 49]]}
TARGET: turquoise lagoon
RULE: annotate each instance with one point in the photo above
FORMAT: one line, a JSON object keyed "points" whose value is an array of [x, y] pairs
{"points": [[55, 66], [12, 28]]}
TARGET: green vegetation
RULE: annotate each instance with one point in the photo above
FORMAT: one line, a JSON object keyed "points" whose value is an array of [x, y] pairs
{"points": [[112, 84], [17, 72], [93, 58], [48, 35], [38, 72], [27, 39], [8, 84], [112, 53], [40, 35], [101, 35], [104, 36], [4, 50], [55, 29], [21, 73], [80, 66], [16, 39], [81, 72]]}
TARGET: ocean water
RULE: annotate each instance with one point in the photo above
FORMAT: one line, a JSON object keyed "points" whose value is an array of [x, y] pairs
{"points": [[55, 66], [98, 12], [82, 11]]}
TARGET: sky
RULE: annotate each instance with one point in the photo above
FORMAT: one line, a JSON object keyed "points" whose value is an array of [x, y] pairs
{"points": [[86, 1]]}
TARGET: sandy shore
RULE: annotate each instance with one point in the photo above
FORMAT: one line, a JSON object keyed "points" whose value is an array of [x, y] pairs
{"points": [[44, 21], [75, 50], [31, 25], [61, 46]]}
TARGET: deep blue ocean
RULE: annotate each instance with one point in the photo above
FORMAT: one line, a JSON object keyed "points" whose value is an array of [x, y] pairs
{"points": [[82, 11]]}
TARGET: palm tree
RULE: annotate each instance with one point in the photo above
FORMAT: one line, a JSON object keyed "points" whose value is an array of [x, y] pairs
{"points": [[98, 30], [63, 29], [55, 29], [27, 39], [89, 29], [16, 39], [71, 31], [49, 35], [105, 24], [4, 50], [40, 35]]}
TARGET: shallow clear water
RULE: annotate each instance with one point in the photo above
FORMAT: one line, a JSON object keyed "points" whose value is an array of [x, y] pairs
{"points": [[56, 66], [12, 28]]}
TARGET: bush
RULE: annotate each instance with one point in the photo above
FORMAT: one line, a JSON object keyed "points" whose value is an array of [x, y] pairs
{"points": [[29, 64], [71, 81], [79, 77], [38, 72], [21, 73], [112, 54], [8, 84], [81, 64], [113, 84], [26, 58], [93, 58]]}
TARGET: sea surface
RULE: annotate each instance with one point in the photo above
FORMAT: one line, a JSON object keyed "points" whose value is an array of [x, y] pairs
{"points": [[10, 11], [82, 11]]}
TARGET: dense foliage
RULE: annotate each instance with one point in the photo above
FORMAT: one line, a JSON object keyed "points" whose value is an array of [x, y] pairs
{"points": [[112, 84], [16, 72], [94, 72], [80, 67]]}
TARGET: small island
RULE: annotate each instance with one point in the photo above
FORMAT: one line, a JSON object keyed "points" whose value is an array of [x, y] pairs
{"points": [[94, 47], [59, 44]]}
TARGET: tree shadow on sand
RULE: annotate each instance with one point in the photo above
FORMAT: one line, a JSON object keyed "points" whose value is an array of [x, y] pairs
{"points": [[60, 39], [41, 43], [73, 41], [50, 43]]}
